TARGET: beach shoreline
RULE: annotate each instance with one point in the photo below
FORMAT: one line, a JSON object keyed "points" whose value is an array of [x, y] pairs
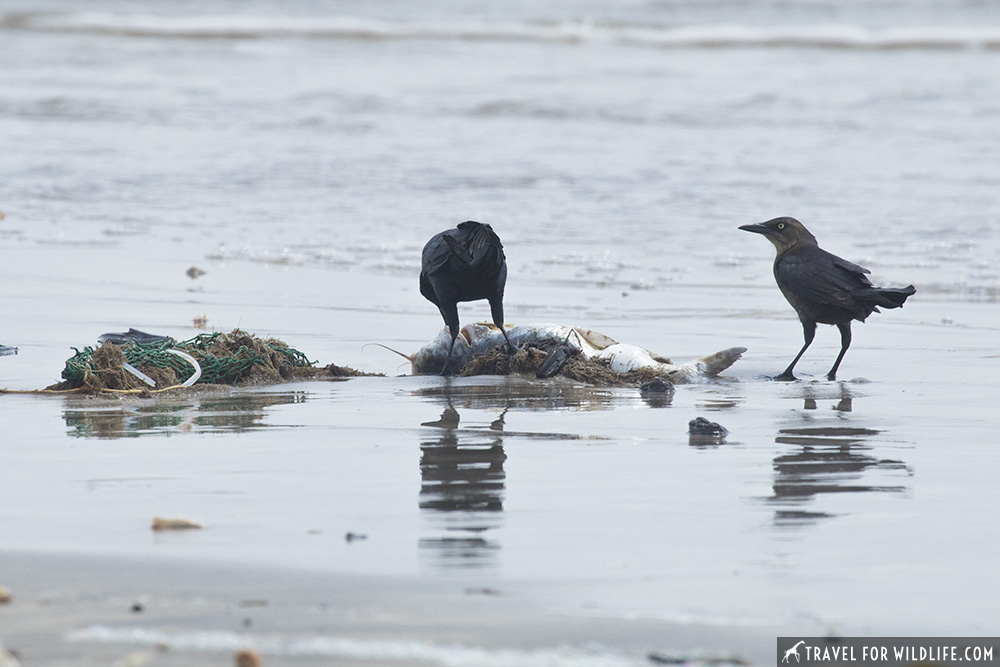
{"points": [[82, 609]]}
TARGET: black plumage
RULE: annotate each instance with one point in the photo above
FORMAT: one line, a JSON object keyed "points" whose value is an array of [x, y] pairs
{"points": [[821, 287], [464, 264]]}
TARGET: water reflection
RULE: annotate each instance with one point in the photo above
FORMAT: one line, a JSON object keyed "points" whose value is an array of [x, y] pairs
{"points": [[131, 418], [462, 488], [829, 459], [812, 394], [502, 392]]}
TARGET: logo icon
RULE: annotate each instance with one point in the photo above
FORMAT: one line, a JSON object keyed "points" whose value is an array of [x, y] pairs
{"points": [[793, 651]]}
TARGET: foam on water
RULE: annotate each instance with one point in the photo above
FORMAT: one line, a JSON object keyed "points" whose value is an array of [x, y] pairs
{"points": [[579, 31], [344, 648]]}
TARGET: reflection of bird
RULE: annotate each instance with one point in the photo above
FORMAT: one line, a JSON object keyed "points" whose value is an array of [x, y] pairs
{"points": [[822, 287], [464, 264]]}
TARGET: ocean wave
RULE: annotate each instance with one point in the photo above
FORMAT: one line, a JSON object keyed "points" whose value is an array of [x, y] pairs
{"points": [[663, 36], [347, 648]]}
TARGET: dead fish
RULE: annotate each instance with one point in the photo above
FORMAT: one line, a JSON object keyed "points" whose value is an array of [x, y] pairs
{"points": [[133, 336], [480, 338]]}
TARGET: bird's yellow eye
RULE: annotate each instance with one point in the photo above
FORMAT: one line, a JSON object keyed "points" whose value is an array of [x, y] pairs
{"points": [[781, 225]]}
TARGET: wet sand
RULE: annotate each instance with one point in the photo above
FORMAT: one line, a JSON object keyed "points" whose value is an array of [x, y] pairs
{"points": [[90, 611], [606, 530]]}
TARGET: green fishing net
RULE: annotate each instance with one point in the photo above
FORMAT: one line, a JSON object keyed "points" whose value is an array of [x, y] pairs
{"points": [[225, 358]]}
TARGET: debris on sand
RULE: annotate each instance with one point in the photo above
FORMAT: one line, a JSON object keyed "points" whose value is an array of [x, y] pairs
{"points": [[697, 658], [234, 358], [527, 362], [5, 596], [555, 361], [247, 658], [160, 523]]}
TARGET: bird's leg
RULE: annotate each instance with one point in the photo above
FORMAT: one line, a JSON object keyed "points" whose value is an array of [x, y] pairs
{"points": [[845, 342], [447, 360], [808, 332], [510, 350], [450, 314], [496, 307]]}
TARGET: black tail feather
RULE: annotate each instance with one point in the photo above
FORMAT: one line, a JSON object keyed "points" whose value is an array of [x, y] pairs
{"points": [[888, 297]]}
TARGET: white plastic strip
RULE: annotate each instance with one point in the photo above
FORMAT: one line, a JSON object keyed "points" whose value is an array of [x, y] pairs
{"points": [[191, 360], [139, 374]]}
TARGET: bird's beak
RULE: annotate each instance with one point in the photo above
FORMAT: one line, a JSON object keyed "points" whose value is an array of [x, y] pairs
{"points": [[757, 229]]}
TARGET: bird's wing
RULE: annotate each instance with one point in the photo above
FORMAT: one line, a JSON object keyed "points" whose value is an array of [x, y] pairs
{"points": [[481, 240], [850, 267], [436, 254], [460, 252], [822, 278]]}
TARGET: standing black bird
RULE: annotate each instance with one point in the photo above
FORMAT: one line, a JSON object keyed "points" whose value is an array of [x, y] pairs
{"points": [[822, 287], [464, 264]]}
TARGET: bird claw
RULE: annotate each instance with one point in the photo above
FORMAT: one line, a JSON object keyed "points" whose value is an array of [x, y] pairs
{"points": [[785, 377]]}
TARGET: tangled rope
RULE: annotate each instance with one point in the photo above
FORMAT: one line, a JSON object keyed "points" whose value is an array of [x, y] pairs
{"points": [[224, 358]]}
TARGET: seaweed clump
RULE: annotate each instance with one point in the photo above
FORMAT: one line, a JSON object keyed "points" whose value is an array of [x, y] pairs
{"points": [[595, 372]]}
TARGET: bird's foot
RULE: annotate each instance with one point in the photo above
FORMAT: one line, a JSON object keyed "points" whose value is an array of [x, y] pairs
{"points": [[831, 376], [448, 371], [785, 377]]}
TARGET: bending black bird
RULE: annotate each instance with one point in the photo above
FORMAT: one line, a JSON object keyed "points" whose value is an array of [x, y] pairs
{"points": [[464, 264], [822, 287]]}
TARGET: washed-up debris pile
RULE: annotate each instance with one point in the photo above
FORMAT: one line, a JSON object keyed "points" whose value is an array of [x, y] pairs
{"points": [[577, 367], [136, 364]]}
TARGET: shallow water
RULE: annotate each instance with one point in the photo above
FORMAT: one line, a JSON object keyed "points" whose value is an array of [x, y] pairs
{"points": [[302, 161]]}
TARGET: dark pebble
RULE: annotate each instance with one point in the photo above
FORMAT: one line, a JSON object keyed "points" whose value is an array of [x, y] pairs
{"points": [[659, 386], [701, 426]]}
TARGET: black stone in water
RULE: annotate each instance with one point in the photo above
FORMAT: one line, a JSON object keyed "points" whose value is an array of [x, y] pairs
{"points": [[701, 426], [657, 386]]}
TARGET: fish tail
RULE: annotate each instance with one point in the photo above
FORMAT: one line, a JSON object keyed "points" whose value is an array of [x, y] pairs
{"points": [[714, 364]]}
